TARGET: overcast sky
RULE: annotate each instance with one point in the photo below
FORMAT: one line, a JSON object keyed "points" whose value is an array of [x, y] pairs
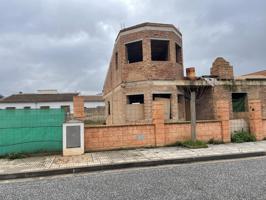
{"points": [[67, 44]]}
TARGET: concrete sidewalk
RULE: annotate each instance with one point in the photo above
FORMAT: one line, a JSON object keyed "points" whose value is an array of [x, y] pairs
{"points": [[56, 164]]}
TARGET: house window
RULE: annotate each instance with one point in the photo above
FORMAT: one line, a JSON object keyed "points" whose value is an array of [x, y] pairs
{"points": [[27, 107], [66, 108], [135, 99], [239, 102], [10, 108], [178, 54], [45, 107], [134, 52], [109, 108], [159, 50], [116, 60]]}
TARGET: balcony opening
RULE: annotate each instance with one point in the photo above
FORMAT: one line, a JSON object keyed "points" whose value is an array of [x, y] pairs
{"points": [[159, 50], [178, 54], [134, 52], [239, 102]]}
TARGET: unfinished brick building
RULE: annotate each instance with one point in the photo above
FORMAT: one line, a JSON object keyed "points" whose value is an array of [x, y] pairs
{"points": [[137, 72], [147, 66]]}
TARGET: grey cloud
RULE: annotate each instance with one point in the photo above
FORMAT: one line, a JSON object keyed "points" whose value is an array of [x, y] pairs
{"points": [[67, 44]]}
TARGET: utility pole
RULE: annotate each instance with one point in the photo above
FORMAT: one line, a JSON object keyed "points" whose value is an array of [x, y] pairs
{"points": [[193, 115]]}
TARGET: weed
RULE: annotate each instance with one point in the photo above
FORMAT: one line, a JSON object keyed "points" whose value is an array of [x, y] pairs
{"points": [[242, 136]]}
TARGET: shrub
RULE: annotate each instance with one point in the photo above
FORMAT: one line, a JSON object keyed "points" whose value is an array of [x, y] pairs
{"points": [[243, 136], [13, 156], [194, 144], [213, 141]]}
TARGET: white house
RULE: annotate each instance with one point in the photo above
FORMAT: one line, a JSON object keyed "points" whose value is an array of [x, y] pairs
{"points": [[45, 99]]}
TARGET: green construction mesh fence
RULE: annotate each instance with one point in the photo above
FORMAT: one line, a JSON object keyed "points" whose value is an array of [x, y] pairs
{"points": [[31, 131]]}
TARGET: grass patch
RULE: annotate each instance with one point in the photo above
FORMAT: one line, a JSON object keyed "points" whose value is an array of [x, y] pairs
{"points": [[243, 136], [194, 144], [213, 141], [189, 144]]}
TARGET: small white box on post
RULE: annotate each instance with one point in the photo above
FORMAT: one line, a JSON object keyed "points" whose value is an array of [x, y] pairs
{"points": [[73, 138]]}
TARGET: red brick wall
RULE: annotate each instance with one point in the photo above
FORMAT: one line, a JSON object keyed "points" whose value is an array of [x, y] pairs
{"points": [[222, 113], [205, 131], [255, 119], [264, 127], [156, 134], [133, 136], [158, 121], [117, 137]]}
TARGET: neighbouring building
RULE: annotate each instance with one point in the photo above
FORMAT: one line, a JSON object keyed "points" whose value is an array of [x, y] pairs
{"points": [[147, 65], [46, 99]]}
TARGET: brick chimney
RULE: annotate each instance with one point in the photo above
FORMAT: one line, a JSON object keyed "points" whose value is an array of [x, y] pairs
{"points": [[190, 72], [222, 69], [78, 104]]}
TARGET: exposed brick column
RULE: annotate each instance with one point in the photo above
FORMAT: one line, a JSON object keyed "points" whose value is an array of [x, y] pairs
{"points": [[174, 106], [78, 107], [148, 106], [158, 121], [222, 114], [255, 118]]}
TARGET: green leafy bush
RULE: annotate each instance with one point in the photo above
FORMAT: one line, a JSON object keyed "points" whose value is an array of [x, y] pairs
{"points": [[243, 136]]}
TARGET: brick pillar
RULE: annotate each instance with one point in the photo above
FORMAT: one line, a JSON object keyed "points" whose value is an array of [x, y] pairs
{"points": [[255, 119], [78, 107], [222, 114], [148, 107], [158, 121], [174, 106]]}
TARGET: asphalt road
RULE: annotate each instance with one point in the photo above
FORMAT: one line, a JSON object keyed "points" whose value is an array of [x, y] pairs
{"points": [[237, 179]]}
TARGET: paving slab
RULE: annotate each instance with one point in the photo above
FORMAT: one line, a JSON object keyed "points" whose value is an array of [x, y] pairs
{"points": [[57, 164]]}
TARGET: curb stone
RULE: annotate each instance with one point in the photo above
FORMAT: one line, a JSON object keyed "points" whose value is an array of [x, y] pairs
{"points": [[151, 163]]}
